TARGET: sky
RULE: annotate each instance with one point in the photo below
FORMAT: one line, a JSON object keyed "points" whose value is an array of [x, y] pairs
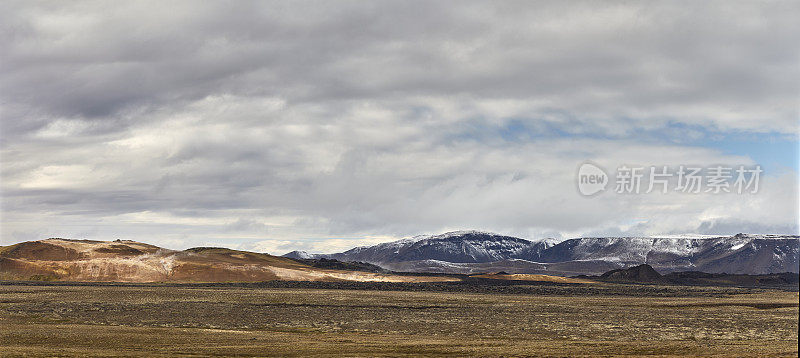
{"points": [[323, 125]]}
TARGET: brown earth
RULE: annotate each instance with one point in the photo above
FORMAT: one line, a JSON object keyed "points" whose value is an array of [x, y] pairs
{"points": [[130, 261], [57, 319]]}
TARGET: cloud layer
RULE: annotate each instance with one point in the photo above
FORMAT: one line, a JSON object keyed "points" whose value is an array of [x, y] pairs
{"points": [[289, 123]]}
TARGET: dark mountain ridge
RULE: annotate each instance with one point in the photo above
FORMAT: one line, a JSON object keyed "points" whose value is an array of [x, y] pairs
{"points": [[647, 274], [473, 251]]}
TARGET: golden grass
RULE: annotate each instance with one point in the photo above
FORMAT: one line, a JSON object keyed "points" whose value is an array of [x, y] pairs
{"points": [[140, 321], [533, 277]]}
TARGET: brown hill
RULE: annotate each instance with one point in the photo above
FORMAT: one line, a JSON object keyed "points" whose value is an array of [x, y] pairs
{"points": [[130, 261]]}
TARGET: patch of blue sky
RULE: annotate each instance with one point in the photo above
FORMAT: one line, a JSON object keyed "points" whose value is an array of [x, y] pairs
{"points": [[775, 152]]}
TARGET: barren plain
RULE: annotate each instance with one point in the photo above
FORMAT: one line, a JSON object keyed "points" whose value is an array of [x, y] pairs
{"points": [[420, 319]]}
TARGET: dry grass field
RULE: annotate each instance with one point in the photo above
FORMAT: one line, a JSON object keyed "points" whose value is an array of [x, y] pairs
{"points": [[68, 320]]}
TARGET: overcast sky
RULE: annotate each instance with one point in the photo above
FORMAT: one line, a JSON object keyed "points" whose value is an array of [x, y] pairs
{"points": [[275, 126]]}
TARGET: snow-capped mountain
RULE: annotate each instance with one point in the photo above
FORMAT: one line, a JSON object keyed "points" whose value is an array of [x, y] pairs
{"points": [[473, 251], [457, 246], [741, 253]]}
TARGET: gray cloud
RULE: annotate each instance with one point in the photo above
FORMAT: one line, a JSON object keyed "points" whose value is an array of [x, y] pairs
{"points": [[730, 66], [216, 121]]}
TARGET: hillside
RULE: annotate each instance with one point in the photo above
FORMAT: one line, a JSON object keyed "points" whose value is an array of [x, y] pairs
{"points": [[455, 247], [648, 275], [470, 252], [130, 261]]}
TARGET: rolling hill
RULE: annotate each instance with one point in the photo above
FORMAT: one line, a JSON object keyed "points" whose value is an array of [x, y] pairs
{"points": [[130, 261]]}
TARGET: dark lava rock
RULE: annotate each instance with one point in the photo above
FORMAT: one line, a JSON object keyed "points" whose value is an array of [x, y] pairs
{"points": [[641, 273]]}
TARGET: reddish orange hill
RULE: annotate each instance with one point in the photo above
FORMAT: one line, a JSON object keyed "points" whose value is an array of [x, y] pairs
{"points": [[131, 261]]}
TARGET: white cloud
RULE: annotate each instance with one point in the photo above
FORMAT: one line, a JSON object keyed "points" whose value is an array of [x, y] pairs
{"points": [[288, 125]]}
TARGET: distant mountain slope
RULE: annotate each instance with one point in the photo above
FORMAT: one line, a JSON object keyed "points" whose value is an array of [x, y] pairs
{"points": [[341, 265], [569, 268], [647, 274], [130, 261], [471, 252], [457, 246], [742, 253]]}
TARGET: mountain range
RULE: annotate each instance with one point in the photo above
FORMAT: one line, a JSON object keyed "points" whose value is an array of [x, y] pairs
{"points": [[474, 251], [462, 252]]}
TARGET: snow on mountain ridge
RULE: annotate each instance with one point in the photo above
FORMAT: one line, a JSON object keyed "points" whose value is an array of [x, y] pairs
{"points": [[741, 253]]}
